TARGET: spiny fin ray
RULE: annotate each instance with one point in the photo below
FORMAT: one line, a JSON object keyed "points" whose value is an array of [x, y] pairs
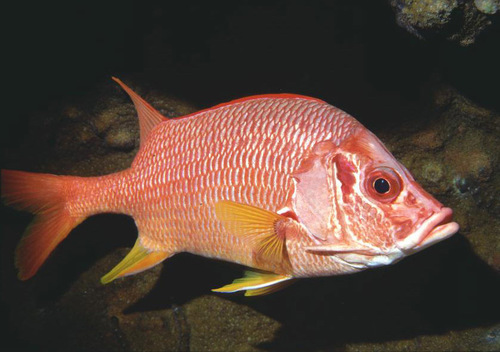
{"points": [[256, 283], [149, 117], [137, 260], [342, 248]]}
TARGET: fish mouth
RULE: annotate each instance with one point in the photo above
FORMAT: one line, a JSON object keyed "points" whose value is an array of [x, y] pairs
{"points": [[436, 228]]}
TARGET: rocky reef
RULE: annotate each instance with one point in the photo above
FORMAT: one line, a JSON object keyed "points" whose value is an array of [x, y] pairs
{"points": [[461, 21]]}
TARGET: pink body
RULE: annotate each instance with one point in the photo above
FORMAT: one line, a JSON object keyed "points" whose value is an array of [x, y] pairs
{"points": [[245, 151], [337, 201]]}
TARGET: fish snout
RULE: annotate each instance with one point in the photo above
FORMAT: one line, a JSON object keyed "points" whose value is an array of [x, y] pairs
{"points": [[439, 226], [424, 198]]}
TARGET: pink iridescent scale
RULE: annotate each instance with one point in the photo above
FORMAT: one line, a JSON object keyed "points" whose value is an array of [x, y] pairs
{"points": [[244, 152]]}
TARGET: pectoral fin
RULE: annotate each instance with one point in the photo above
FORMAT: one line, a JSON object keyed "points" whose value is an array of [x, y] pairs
{"points": [[257, 283], [264, 228], [137, 260]]}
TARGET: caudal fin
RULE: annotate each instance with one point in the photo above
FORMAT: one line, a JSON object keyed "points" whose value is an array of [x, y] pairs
{"points": [[43, 195]]}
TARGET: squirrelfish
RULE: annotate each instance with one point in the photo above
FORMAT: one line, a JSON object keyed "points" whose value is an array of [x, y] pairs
{"points": [[284, 184]]}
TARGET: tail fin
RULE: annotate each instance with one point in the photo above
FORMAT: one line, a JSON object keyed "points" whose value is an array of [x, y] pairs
{"points": [[44, 195]]}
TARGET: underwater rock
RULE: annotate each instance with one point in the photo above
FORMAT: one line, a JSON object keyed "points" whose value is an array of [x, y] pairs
{"points": [[122, 138], [428, 140], [64, 307], [221, 325], [460, 21], [489, 7]]}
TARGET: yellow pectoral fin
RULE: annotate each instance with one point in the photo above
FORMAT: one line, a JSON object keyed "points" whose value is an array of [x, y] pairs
{"points": [[256, 283], [137, 260], [259, 225]]}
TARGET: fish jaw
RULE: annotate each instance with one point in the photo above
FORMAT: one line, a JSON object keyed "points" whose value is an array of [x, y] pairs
{"points": [[436, 228]]}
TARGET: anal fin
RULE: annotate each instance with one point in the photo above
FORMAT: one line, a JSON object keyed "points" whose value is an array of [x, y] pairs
{"points": [[256, 283], [137, 260]]}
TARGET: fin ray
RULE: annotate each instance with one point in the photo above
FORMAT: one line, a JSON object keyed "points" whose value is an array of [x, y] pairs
{"points": [[149, 117], [260, 226], [44, 195], [137, 260], [269, 289], [256, 283]]}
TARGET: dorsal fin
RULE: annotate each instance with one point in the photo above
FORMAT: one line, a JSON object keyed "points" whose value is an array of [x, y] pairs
{"points": [[148, 116], [250, 98]]}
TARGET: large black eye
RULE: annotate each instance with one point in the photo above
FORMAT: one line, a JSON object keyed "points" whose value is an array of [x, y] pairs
{"points": [[381, 185]]}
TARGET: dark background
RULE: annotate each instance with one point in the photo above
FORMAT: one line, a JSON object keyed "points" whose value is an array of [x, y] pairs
{"points": [[352, 54], [349, 53]]}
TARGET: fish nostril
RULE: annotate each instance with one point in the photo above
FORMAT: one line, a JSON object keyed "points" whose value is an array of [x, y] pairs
{"points": [[410, 199]]}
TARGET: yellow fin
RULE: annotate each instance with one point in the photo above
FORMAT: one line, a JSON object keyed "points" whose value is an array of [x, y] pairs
{"points": [[137, 260], [260, 225], [256, 283], [269, 289]]}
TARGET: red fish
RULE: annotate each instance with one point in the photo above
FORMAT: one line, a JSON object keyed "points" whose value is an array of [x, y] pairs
{"points": [[287, 185]]}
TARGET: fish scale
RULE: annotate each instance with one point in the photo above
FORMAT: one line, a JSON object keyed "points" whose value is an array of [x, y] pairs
{"points": [[282, 183], [223, 135]]}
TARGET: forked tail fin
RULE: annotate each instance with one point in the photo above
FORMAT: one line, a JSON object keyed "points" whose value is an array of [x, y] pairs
{"points": [[45, 196]]}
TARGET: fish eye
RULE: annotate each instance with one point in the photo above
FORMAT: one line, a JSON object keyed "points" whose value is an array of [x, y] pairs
{"points": [[383, 184]]}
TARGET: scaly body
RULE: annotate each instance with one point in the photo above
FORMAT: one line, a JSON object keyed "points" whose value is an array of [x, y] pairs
{"points": [[286, 184], [243, 152]]}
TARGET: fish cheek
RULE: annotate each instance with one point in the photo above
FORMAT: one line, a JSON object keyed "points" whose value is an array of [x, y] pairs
{"points": [[367, 222], [345, 174], [313, 199]]}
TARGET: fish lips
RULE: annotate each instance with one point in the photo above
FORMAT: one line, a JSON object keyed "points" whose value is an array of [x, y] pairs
{"points": [[436, 228]]}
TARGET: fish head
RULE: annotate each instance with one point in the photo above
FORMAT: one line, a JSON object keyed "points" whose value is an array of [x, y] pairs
{"points": [[362, 206]]}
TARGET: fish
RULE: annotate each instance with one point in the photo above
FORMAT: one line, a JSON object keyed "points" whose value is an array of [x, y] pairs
{"points": [[286, 185]]}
